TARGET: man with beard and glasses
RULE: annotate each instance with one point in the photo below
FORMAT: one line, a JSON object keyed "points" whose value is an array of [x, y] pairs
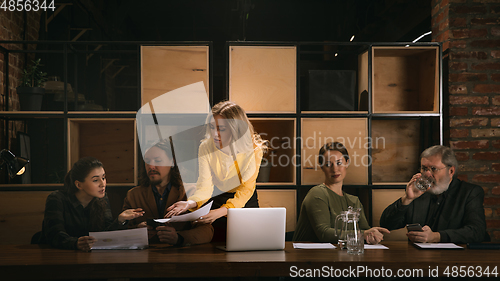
{"points": [[450, 210], [160, 187]]}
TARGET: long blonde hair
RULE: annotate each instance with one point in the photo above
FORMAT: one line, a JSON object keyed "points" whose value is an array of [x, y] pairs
{"points": [[233, 112]]}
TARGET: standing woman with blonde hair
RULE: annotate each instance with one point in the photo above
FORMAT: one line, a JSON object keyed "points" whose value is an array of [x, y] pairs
{"points": [[229, 161]]}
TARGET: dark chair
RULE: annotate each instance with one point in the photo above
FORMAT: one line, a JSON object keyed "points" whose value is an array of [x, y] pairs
{"points": [[487, 237], [35, 239]]}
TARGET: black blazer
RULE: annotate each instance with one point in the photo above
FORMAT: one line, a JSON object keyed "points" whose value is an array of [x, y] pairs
{"points": [[461, 220]]}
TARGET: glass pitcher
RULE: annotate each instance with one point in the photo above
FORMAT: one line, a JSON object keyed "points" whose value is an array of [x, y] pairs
{"points": [[349, 223]]}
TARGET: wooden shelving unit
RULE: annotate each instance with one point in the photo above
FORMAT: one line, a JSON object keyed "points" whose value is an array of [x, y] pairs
{"points": [[383, 101]]}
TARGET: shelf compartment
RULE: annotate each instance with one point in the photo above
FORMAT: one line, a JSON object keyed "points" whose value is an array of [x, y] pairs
{"points": [[277, 165], [166, 68], [352, 132], [40, 141], [329, 79], [287, 198], [262, 79], [396, 150], [405, 79], [113, 141], [50, 63], [102, 81]]}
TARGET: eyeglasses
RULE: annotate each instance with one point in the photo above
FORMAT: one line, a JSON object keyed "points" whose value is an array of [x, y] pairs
{"points": [[431, 169]]}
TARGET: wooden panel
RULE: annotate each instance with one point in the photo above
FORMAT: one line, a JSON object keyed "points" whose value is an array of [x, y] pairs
{"points": [[429, 80], [280, 159], [21, 215], [74, 143], [280, 198], [381, 198], [112, 141], [405, 79], [352, 132], [263, 79], [166, 68], [396, 150], [363, 81]]}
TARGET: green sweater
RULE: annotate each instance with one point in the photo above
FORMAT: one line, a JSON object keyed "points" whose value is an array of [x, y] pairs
{"points": [[319, 211]]}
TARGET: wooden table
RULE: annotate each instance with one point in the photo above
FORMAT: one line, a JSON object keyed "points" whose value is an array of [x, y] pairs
{"points": [[30, 262]]}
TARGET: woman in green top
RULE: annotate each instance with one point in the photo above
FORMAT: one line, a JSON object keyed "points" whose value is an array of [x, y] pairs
{"points": [[324, 202]]}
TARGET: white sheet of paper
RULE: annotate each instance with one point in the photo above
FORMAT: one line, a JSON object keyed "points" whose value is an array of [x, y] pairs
{"points": [[378, 246], [438, 246], [313, 246], [189, 216], [132, 239]]}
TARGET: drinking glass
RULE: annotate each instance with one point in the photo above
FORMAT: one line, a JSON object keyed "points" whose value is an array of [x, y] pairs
{"points": [[355, 244], [423, 183]]}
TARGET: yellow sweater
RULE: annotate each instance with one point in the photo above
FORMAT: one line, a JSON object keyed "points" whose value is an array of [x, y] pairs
{"points": [[218, 168]]}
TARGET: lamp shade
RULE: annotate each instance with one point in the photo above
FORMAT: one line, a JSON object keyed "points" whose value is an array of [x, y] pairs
{"points": [[15, 165]]}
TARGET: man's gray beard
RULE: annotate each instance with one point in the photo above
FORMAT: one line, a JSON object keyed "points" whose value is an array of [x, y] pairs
{"points": [[438, 189]]}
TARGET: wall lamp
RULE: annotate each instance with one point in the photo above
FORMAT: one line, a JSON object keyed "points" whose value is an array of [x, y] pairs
{"points": [[15, 165]]}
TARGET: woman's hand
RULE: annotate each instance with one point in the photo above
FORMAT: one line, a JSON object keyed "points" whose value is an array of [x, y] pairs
{"points": [[212, 215], [85, 243], [375, 234], [130, 214], [180, 207]]}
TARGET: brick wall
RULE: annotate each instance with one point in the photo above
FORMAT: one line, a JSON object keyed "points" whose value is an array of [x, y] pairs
{"points": [[470, 33], [12, 28]]}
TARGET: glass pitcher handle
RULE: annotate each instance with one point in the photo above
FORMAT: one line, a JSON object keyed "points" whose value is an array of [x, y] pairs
{"points": [[340, 231]]}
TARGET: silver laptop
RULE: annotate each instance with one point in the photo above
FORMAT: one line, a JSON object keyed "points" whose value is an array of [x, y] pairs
{"points": [[255, 229]]}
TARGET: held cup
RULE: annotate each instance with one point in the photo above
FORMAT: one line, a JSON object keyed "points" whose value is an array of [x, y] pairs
{"points": [[423, 183]]}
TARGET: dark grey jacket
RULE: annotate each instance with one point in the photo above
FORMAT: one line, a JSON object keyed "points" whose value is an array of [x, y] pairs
{"points": [[461, 219]]}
